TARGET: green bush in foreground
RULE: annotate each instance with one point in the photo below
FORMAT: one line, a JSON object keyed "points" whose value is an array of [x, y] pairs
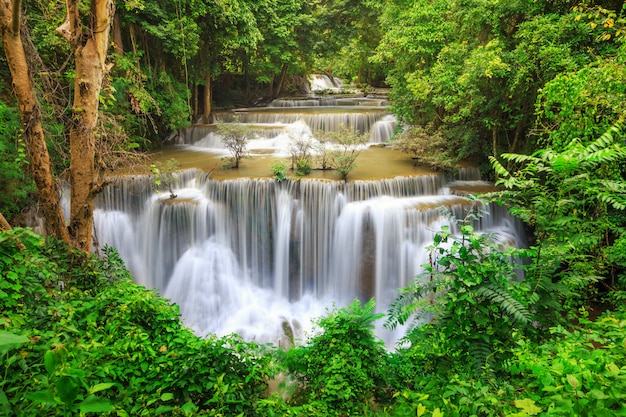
{"points": [[79, 336], [342, 368]]}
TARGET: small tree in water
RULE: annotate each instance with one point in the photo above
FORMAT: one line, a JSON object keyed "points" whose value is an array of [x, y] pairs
{"points": [[339, 150], [235, 137]]}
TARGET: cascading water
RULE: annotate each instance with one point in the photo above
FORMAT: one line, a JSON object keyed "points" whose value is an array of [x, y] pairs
{"points": [[273, 126], [252, 256], [257, 256]]}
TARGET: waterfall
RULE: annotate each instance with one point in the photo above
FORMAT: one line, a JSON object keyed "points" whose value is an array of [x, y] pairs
{"points": [[322, 82], [253, 255], [383, 129], [273, 127]]}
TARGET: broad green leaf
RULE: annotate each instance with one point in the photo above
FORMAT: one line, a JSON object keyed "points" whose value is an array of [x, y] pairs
{"points": [[528, 407], [45, 397], [163, 409], [50, 361], [166, 396], [93, 404], [10, 340], [573, 381], [67, 388], [101, 387]]}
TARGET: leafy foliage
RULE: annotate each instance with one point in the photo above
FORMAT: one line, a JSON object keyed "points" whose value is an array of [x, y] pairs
{"points": [[468, 304], [278, 169], [235, 137], [78, 337], [573, 200], [99, 343], [340, 149], [427, 148], [580, 371], [343, 366], [15, 184], [582, 105]]}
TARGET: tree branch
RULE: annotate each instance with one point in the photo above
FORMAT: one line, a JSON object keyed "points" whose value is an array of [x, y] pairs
{"points": [[15, 17]]}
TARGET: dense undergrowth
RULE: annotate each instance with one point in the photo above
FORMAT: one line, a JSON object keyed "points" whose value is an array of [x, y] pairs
{"points": [[79, 337]]}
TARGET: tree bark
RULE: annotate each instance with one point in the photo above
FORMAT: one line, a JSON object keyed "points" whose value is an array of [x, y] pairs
{"points": [[207, 97], [118, 43], [281, 81], [30, 118], [4, 224], [195, 101], [90, 49]]}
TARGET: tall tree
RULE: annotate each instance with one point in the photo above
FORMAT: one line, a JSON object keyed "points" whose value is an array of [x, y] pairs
{"points": [[30, 118], [89, 45], [89, 38]]}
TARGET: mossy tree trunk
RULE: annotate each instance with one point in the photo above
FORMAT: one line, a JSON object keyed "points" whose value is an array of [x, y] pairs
{"points": [[90, 48], [30, 118]]}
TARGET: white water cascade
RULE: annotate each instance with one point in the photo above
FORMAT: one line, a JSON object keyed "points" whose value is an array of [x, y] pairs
{"points": [[252, 256], [284, 120]]}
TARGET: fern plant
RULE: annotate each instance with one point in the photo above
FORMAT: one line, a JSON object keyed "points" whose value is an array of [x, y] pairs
{"points": [[467, 305], [575, 202]]}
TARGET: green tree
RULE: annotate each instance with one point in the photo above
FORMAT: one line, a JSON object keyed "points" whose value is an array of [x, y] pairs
{"points": [[229, 34], [280, 53], [427, 148], [235, 137], [582, 104], [340, 149], [416, 31]]}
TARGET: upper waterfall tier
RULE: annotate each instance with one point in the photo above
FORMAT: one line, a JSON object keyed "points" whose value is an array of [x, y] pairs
{"points": [[274, 127]]}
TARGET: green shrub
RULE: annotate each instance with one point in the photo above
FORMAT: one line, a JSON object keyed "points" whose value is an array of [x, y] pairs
{"points": [[303, 167], [467, 307], [16, 187], [342, 369], [278, 170], [99, 342], [580, 371]]}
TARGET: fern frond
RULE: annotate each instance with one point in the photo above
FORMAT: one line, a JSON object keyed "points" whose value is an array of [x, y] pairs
{"points": [[615, 201], [409, 303], [610, 154], [507, 302], [363, 314], [605, 140], [518, 158], [499, 168], [481, 354]]}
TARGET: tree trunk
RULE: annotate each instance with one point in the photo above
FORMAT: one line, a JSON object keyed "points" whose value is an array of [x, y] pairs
{"points": [[281, 81], [4, 224], [118, 43], [494, 143], [91, 51], [30, 118], [195, 101], [207, 97]]}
